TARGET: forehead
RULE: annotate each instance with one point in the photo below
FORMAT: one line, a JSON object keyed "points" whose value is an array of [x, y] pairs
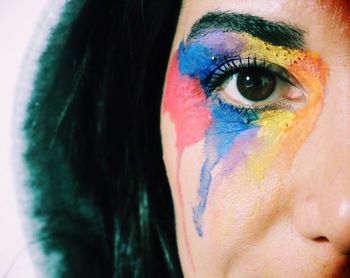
{"points": [[323, 21], [295, 10]]}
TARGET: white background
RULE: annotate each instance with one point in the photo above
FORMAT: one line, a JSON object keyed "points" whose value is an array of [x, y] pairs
{"points": [[18, 19]]}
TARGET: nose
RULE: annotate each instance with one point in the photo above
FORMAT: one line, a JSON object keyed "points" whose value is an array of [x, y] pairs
{"points": [[321, 175], [324, 215]]}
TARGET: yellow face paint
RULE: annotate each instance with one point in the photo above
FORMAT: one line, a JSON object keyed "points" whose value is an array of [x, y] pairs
{"points": [[278, 55], [284, 131], [273, 125]]}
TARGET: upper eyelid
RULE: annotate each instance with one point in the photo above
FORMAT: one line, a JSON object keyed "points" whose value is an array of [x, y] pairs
{"points": [[280, 71]]}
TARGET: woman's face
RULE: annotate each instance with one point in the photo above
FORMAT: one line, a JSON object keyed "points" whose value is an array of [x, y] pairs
{"points": [[255, 129]]}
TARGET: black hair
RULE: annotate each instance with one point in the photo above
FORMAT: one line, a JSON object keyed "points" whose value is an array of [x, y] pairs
{"points": [[94, 149]]}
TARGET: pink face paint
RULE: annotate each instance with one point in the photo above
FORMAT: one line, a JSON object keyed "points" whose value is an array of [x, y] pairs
{"points": [[185, 102]]}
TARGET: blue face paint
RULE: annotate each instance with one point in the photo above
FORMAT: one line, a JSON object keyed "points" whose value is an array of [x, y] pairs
{"points": [[228, 122]]}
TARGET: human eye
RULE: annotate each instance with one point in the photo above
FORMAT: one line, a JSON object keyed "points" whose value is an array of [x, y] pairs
{"points": [[258, 84]]}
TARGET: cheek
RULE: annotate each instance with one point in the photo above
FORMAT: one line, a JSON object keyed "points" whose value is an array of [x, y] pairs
{"points": [[262, 179], [234, 173], [271, 141]]}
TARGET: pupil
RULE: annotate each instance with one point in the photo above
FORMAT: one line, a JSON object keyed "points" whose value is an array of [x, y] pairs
{"points": [[256, 84]]}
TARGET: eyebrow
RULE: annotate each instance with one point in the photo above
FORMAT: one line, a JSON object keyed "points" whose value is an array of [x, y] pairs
{"points": [[275, 33]]}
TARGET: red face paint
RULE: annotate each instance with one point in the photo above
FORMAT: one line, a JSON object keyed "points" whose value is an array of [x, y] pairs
{"points": [[185, 102]]}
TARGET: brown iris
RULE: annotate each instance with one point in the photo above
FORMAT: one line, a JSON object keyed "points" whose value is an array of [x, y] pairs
{"points": [[255, 84]]}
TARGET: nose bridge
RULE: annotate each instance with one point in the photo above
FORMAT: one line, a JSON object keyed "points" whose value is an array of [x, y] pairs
{"points": [[322, 170]]}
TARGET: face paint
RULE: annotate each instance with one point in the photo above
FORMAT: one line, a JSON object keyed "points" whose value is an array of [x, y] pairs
{"points": [[258, 136]]}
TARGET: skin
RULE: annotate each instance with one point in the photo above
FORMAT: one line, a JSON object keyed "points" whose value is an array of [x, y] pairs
{"points": [[283, 210]]}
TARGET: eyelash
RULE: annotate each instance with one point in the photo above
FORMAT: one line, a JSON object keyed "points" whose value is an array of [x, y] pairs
{"points": [[229, 67]]}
